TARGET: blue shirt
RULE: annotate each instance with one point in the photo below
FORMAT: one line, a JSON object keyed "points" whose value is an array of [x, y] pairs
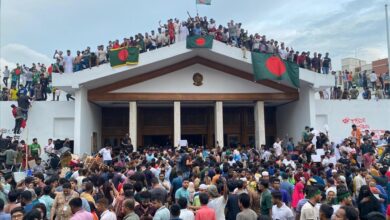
{"points": [[28, 208], [288, 187], [285, 196], [177, 183], [162, 214], [5, 216], [182, 193], [48, 201], [197, 31], [319, 180]]}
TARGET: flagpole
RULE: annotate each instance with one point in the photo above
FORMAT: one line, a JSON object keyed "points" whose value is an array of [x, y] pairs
{"points": [[388, 38], [196, 5]]}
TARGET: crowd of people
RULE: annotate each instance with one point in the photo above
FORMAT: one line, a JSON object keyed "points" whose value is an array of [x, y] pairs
{"points": [[35, 80], [312, 179], [175, 30], [359, 86]]}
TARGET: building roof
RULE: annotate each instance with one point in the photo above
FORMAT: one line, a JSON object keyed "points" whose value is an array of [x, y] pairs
{"points": [[220, 55]]}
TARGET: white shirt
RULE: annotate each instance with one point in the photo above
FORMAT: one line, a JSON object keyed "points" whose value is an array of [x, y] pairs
{"points": [[278, 148], [309, 212], [6, 73], [283, 53], [68, 64], [266, 155], [106, 154], [325, 163], [373, 77], [186, 214], [332, 188], [108, 215], [101, 55], [218, 204], [49, 148], [289, 162], [282, 213]]}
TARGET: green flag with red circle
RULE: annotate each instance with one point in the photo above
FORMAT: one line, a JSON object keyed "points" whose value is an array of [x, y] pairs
{"points": [[124, 56], [200, 42], [272, 67]]}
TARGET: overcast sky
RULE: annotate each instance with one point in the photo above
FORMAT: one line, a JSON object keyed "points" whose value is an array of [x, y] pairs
{"points": [[32, 30]]}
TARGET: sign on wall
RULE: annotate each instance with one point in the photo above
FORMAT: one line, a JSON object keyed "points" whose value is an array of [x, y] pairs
{"points": [[362, 124]]}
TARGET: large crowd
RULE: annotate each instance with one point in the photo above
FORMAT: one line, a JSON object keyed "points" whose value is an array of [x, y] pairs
{"points": [[35, 80], [314, 178], [362, 85]]}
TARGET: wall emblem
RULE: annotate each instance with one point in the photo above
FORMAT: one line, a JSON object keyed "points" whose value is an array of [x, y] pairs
{"points": [[198, 79]]}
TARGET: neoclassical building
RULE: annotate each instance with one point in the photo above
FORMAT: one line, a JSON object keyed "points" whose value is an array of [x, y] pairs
{"points": [[205, 96]]}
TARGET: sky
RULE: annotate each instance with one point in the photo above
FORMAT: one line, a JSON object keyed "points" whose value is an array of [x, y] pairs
{"points": [[31, 30]]}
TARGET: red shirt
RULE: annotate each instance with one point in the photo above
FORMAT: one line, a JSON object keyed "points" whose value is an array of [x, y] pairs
{"points": [[14, 112], [205, 213], [115, 46], [301, 59]]}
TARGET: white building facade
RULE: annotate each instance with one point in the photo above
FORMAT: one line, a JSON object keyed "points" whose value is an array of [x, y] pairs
{"points": [[205, 96]]}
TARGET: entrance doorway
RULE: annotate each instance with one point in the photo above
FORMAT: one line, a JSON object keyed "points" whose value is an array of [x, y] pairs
{"points": [[159, 140], [195, 139]]}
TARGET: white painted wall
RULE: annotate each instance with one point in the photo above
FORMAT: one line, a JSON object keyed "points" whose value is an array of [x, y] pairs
{"points": [[87, 120], [181, 81], [335, 115], [339, 115], [42, 118], [292, 118]]}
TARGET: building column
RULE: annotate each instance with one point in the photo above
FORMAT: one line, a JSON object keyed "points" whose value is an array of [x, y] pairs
{"points": [[218, 124], [133, 124], [176, 123], [81, 137], [259, 124]]}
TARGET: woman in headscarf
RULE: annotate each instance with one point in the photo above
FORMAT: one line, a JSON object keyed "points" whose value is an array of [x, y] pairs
{"points": [[298, 193], [367, 202]]}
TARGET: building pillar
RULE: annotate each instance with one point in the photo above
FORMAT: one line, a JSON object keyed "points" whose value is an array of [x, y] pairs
{"points": [[133, 124], [259, 124], [81, 137], [218, 124], [176, 123]]}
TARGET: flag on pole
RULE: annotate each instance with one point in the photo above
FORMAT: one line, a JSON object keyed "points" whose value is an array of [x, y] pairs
{"points": [[269, 66], [203, 2]]}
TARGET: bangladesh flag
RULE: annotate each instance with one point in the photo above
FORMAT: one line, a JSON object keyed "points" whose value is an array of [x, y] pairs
{"points": [[269, 66], [133, 55], [203, 2], [124, 56], [200, 42]]}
